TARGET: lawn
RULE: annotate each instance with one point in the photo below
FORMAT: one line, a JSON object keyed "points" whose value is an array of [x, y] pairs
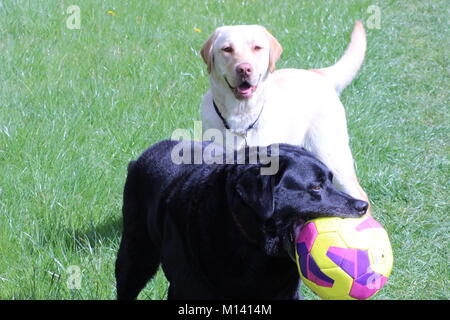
{"points": [[77, 104]]}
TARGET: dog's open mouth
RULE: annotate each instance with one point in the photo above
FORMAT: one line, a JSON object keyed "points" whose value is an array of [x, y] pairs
{"points": [[291, 240], [298, 225], [243, 91]]}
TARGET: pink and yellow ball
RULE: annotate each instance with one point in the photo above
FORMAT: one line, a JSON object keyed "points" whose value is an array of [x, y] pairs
{"points": [[344, 258]]}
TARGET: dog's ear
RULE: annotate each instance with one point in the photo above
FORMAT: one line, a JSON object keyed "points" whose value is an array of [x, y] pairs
{"points": [[275, 51], [206, 51], [256, 191]]}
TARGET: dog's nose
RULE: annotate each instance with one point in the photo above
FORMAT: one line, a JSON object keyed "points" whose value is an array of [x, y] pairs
{"points": [[361, 207], [244, 69]]}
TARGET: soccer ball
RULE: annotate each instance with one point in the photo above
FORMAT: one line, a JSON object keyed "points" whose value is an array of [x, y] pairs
{"points": [[344, 258]]}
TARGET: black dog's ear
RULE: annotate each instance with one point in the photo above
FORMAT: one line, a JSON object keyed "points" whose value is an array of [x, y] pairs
{"points": [[256, 191]]}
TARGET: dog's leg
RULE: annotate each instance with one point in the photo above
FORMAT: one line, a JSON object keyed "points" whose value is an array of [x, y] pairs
{"points": [[136, 264], [138, 257], [328, 139]]}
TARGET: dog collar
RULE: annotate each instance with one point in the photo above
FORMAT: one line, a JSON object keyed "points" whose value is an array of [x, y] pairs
{"points": [[225, 123]]}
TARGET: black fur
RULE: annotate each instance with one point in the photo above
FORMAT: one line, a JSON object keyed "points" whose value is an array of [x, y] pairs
{"points": [[221, 231]]}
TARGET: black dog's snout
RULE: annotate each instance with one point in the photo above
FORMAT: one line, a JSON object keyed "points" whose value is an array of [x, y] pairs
{"points": [[361, 207]]}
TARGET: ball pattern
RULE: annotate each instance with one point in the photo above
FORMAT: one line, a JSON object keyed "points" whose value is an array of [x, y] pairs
{"points": [[344, 258]]}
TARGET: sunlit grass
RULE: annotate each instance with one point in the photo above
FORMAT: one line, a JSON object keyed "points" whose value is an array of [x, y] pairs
{"points": [[77, 105]]}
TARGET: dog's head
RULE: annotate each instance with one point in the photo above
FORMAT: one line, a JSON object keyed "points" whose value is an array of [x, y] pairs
{"points": [[240, 57], [272, 208]]}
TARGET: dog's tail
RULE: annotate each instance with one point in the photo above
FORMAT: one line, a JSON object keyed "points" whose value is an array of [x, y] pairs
{"points": [[343, 71]]}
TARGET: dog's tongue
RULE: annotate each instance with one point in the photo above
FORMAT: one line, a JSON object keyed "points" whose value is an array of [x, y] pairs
{"points": [[244, 89]]}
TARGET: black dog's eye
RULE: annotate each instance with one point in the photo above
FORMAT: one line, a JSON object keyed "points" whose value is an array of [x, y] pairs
{"points": [[316, 187], [228, 49]]}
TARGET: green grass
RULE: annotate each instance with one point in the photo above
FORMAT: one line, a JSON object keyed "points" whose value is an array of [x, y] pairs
{"points": [[77, 105]]}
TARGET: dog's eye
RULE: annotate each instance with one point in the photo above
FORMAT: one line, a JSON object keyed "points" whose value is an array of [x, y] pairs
{"points": [[316, 187], [228, 49], [257, 48]]}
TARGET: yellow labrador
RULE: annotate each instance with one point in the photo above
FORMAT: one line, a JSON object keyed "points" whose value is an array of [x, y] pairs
{"points": [[295, 106]]}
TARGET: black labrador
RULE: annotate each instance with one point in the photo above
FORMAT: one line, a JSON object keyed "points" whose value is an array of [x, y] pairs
{"points": [[221, 231]]}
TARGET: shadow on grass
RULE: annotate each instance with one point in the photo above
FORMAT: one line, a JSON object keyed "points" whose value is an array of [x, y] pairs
{"points": [[93, 236]]}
